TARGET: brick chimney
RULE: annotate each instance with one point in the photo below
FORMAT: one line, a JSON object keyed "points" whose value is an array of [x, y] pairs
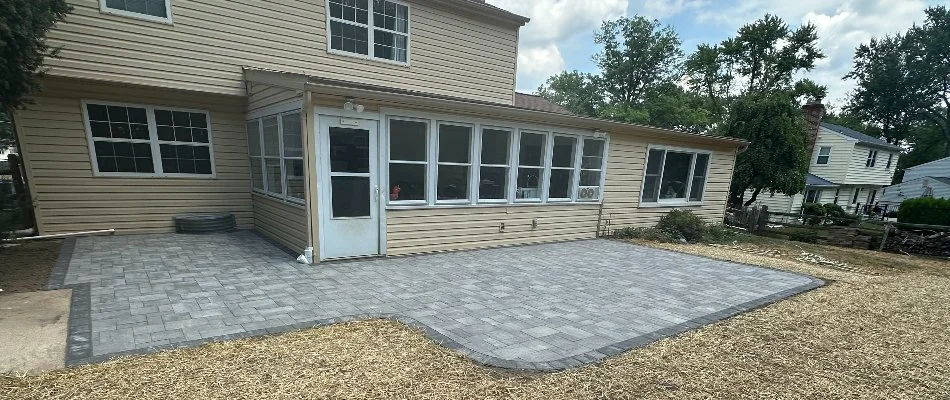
{"points": [[812, 112]]}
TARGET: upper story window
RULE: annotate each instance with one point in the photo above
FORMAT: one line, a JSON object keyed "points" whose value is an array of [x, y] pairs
{"points": [[890, 159], [824, 155], [674, 176], [139, 140], [872, 159], [377, 29], [152, 10]]}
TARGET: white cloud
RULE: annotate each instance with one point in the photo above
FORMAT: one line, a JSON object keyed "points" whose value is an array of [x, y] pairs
{"points": [[660, 9], [552, 23]]}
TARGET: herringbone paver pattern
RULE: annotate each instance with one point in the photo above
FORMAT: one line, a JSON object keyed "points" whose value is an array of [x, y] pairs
{"points": [[535, 303]]}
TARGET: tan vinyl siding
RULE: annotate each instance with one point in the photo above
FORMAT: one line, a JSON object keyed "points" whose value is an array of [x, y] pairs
{"points": [[71, 199], [452, 53], [442, 229], [626, 164], [283, 222]]}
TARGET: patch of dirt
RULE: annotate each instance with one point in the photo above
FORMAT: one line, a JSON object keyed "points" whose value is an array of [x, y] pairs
{"points": [[26, 267]]}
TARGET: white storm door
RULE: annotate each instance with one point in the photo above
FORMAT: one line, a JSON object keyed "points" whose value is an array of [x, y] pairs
{"points": [[349, 189]]}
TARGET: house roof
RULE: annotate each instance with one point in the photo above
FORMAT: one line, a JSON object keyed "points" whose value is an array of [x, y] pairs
{"points": [[537, 103], [927, 163], [817, 181], [414, 98], [482, 6], [860, 137]]}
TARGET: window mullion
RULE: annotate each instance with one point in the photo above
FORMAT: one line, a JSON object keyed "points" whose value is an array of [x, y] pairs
{"points": [[153, 141], [578, 160], [433, 165], [260, 133], [513, 146], [371, 27], [280, 155], [692, 172], [475, 156], [546, 166]]}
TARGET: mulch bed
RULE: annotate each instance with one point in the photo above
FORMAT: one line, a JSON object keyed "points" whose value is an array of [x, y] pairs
{"points": [[26, 267]]}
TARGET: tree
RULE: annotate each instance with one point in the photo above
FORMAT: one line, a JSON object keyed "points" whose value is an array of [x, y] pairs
{"points": [[639, 56], [767, 54], [667, 107], [709, 74], [928, 48], [23, 27], [776, 160], [578, 92], [883, 94]]}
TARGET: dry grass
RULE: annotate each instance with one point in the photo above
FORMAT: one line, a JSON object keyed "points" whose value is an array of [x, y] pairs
{"points": [[864, 336]]}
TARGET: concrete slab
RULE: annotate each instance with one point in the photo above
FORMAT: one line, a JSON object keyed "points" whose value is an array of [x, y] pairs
{"points": [[33, 331]]}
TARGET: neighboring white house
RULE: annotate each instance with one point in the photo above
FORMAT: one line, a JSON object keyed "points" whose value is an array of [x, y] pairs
{"points": [[925, 180], [847, 168]]}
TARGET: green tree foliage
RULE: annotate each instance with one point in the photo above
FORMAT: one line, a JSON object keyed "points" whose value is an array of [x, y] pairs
{"points": [[903, 83], [639, 57], [776, 160], [578, 92], [23, 27], [709, 74]]}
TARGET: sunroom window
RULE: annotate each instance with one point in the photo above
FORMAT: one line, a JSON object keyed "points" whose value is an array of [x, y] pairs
{"points": [[493, 173], [407, 160], [377, 28], [530, 166], [562, 167], [674, 176], [592, 164], [455, 162]]}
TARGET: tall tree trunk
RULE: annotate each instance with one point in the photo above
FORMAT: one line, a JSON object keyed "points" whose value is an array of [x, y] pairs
{"points": [[755, 194]]}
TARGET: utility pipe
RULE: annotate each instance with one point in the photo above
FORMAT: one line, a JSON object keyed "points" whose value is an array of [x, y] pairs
{"points": [[63, 235]]}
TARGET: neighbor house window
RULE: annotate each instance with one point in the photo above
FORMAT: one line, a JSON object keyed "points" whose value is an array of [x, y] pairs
{"points": [[592, 169], [371, 28], [275, 147], [872, 158], [152, 10], [674, 176], [407, 160], [837, 194], [493, 170], [490, 164], [854, 198], [812, 195], [890, 159], [454, 162], [143, 140], [824, 154]]}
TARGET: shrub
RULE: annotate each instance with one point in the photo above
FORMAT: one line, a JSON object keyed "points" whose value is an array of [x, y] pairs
{"points": [[652, 234], [925, 210], [892, 214], [683, 223], [815, 211], [719, 234]]}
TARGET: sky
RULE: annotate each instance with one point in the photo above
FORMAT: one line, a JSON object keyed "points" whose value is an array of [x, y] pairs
{"points": [[560, 34]]}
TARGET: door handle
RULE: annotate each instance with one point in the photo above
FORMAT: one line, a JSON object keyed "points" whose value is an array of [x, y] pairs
{"points": [[377, 192]]}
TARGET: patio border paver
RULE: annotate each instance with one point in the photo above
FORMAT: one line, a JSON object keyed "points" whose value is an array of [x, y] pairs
{"points": [[79, 344]]}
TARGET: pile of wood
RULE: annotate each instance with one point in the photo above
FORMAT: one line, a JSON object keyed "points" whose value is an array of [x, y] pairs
{"points": [[845, 236], [923, 242]]}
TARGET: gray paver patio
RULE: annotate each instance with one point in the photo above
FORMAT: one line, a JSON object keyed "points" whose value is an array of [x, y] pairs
{"points": [[538, 306]]}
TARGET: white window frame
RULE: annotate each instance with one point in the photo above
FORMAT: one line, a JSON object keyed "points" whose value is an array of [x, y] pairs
{"points": [[890, 159], [816, 199], [370, 34], [512, 134], [153, 141], [477, 123], [689, 186], [581, 169], [855, 194], [827, 155], [425, 163], [574, 168], [281, 158], [437, 164], [872, 159], [544, 167], [105, 9], [837, 194]]}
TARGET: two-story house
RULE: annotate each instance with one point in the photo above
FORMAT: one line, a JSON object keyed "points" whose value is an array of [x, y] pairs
{"points": [[339, 128], [847, 168], [930, 179]]}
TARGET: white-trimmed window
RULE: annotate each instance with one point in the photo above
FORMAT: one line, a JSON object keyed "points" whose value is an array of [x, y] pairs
{"points": [[408, 161], [530, 173], [152, 10], [890, 159], [376, 29], [434, 161], [275, 148], [592, 169], [837, 195], [454, 166], [674, 176], [812, 195], [824, 155], [872, 159], [494, 165], [140, 140]]}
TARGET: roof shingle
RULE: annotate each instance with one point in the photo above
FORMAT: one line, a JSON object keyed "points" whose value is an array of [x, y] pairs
{"points": [[851, 133], [537, 103]]}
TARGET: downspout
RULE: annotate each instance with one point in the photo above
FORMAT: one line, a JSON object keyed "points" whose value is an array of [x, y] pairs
{"points": [[310, 176]]}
